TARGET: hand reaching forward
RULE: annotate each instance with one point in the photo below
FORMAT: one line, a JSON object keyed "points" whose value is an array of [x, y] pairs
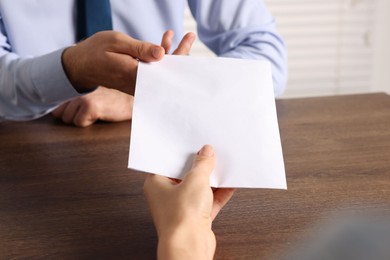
{"points": [[183, 212], [111, 58], [110, 104]]}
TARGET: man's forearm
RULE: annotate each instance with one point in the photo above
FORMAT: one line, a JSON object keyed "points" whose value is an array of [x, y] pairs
{"points": [[31, 87]]}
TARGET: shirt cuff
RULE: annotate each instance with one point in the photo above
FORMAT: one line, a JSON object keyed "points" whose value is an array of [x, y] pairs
{"points": [[50, 80]]}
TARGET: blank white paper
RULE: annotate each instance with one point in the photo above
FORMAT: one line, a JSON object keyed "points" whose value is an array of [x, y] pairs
{"points": [[183, 102]]}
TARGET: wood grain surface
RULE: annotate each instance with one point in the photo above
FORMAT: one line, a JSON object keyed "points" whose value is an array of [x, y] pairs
{"points": [[66, 192]]}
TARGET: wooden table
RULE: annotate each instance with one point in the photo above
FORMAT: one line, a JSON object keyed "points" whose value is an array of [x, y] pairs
{"points": [[66, 192]]}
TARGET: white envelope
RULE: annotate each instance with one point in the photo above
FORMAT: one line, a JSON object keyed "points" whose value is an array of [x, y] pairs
{"points": [[183, 102]]}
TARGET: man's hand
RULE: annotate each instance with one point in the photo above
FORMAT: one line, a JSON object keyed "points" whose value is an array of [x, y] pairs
{"points": [[109, 104], [183, 212], [108, 59], [102, 104]]}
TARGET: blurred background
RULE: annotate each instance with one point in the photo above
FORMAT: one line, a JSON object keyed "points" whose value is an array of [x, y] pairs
{"points": [[334, 46]]}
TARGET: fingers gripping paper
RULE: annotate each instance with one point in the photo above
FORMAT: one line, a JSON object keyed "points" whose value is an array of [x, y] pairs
{"points": [[182, 103]]}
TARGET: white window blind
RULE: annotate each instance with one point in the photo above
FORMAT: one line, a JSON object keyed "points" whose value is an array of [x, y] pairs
{"points": [[329, 44]]}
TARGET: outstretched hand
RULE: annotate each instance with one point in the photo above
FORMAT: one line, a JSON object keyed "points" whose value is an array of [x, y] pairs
{"points": [[183, 211]]}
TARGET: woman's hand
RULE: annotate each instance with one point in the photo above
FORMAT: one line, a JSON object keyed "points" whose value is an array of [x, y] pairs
{"points": [[183, 211]]}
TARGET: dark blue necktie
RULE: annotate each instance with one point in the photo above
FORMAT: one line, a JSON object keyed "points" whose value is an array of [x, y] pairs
{"points": [[92, 16]]}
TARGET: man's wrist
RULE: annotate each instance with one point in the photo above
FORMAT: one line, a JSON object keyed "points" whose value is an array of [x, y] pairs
{"points": [[70, 68]]}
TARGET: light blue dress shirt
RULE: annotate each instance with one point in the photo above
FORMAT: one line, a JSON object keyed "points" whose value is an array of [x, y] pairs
{"points": [[33, 35]]}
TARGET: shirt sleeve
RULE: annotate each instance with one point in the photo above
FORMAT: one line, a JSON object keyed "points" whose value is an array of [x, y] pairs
{"points": [[31, 87], [242, 29]]}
